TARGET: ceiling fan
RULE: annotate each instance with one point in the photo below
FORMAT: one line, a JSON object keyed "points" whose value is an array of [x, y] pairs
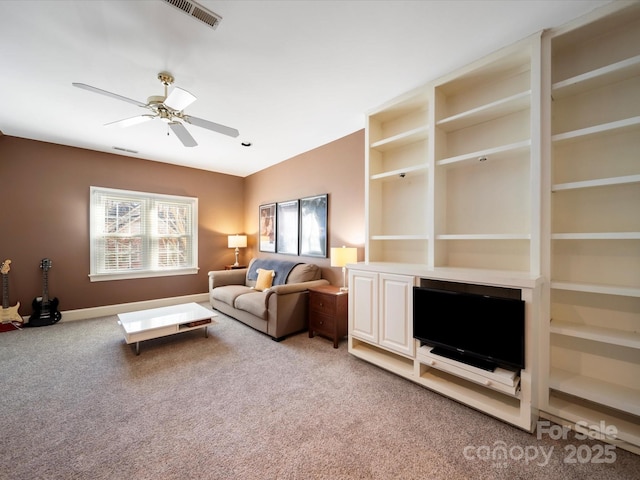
{"points": [[168, 108]]}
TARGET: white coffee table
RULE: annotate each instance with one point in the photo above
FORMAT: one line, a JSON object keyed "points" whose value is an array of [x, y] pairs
{"points": [[160, 322]]}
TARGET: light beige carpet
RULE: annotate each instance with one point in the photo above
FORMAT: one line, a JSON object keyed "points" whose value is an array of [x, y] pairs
{"points": [[77, 403]]}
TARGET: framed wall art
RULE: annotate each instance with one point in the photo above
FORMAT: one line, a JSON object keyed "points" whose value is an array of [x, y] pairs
{"points": [[313, 226], [267, 240], [287, 227]]}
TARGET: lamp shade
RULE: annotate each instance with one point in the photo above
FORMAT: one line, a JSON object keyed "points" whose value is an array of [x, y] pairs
{"points": [[237, 241], [341, 256]]}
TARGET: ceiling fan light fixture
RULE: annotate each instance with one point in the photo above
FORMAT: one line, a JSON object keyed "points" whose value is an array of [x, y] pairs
{"points": [[167, 108]]}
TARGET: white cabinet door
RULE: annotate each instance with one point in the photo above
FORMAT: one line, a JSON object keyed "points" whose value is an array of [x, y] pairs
{"points": [[363, 305], [396, 313]]}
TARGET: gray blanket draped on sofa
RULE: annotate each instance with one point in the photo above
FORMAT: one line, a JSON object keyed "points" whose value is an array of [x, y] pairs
{"points": [[280, 268]]}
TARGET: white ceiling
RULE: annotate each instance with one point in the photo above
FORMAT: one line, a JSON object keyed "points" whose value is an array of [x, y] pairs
{"points": [[289, 75]]}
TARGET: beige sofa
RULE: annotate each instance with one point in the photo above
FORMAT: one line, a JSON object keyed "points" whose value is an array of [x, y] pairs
{"points": [[279, 310]]}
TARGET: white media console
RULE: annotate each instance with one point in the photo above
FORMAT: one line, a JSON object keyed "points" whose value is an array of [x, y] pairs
{"points": [[381, 332]]}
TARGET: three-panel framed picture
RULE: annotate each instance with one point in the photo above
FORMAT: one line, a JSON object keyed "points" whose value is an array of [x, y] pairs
{"points": [[295, 227]]}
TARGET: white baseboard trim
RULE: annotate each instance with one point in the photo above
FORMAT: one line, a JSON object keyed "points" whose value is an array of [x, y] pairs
{"points": [[106, 310]]}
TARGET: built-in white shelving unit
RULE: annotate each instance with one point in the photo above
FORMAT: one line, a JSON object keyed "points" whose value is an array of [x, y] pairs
{"points": [[452, 170], [397, 171], [591, 346], [523, 164], [485, 164]]}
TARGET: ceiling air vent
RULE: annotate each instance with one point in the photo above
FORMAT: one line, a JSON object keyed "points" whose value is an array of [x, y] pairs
{"points": [[125, 150], [196, 11]]}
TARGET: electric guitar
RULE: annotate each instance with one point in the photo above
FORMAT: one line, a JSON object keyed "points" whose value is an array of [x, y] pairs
{"points": [[10, 315], [45, 311]]}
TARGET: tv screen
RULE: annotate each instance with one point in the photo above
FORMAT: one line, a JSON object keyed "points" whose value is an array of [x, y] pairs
{"points": [[481, 330]]}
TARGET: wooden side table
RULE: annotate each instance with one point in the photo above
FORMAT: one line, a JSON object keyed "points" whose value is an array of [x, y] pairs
{"points": [[328, 312], [234, 267]]}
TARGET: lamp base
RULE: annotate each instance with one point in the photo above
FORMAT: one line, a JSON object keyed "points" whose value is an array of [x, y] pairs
{"points": [[344, 288], [237, 263]]}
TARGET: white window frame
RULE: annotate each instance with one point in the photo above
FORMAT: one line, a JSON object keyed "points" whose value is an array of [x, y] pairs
{"points": [[149, 235]]}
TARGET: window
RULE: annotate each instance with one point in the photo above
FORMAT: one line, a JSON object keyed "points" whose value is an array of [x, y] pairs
{"points": [[137, 234]]}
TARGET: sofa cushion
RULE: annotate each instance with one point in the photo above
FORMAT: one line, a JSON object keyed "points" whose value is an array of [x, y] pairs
{"points": [[304, 272], [253, 302], [265, 279], [228, 293]]}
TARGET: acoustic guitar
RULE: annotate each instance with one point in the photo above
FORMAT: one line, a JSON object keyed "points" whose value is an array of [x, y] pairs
{"points": [[10, 316], [45, 310]]}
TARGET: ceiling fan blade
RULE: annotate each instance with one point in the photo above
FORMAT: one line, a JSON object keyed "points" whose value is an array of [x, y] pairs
{"points": [[179, 99], [108, 94], [183, 135], [127, 122], [216, 127]]}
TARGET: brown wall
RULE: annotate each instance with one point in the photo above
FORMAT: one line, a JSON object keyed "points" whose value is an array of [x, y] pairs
{"points": [[44, 213], [45, 204], [337, 169]]}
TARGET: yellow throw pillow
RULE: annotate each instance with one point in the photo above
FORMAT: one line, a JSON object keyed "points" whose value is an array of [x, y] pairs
{"points": [[265, 279]]}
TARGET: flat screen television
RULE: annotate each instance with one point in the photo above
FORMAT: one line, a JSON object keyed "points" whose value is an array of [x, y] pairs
{"points": [[481, 330]]}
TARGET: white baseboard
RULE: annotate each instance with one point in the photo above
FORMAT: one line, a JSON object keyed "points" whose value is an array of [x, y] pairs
{"points": [[106, 310]]}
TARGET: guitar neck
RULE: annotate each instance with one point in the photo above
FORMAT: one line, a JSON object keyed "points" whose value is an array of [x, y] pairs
{"points": [[45, 287], [5, 291]]}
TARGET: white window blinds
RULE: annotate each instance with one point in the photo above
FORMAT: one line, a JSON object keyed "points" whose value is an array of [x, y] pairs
{"points": [[138, 234]]}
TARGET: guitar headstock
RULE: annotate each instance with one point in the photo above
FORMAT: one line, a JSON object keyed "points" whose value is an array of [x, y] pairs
{"points": [[5, 267], [45, 264]]}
